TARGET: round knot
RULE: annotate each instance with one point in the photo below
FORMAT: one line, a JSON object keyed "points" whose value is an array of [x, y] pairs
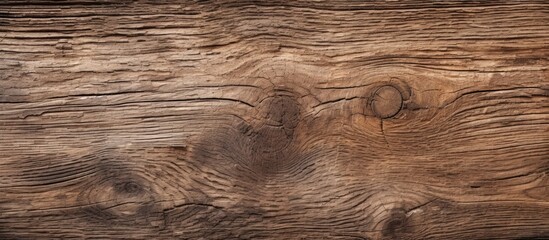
{"points": [[386, 102]]}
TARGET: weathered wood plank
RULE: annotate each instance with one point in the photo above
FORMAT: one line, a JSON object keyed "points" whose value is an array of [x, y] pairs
{"points": [[274, 119]]}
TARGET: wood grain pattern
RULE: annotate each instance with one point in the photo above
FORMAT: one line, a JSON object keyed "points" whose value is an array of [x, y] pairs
{"points": [[274, 119]]}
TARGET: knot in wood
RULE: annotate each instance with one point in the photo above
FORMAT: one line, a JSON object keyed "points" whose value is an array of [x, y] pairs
{"points": [[386, 101], [128, 188]]}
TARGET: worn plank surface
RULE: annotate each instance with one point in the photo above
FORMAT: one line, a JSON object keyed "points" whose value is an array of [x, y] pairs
{"points": [[274, 119]]}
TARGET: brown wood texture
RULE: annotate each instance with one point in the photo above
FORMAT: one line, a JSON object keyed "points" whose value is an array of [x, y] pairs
{"points": [[274, 119]]}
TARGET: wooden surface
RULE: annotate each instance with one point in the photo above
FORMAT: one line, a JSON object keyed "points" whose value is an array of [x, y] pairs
{"points": [[274, 119]]}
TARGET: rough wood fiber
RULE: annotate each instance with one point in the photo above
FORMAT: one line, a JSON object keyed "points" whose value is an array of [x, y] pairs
{"points": [[274, 119]]}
